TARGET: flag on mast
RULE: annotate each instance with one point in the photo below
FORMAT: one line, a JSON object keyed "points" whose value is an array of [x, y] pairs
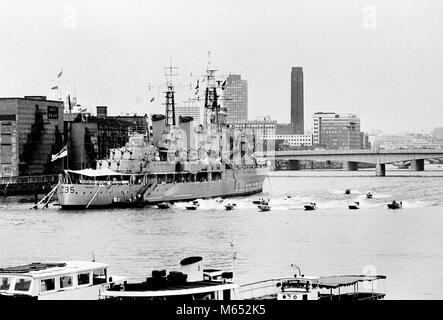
{"points": [[61, 154]]}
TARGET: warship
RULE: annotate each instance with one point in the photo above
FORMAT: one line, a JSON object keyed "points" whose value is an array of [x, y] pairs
{"points": [[173, 162]]}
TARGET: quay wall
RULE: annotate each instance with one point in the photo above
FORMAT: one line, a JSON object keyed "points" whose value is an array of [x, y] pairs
{"points": [[25, 185]]}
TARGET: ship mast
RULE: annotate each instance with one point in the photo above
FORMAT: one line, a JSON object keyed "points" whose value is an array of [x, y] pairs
{"points": [[211, 107], [169, 95]]}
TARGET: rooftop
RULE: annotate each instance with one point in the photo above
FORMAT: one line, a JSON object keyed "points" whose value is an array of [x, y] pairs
{"points": [[332, 282], [38, 269], [32, 98]]}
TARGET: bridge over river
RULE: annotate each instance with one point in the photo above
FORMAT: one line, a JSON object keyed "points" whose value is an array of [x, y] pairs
{"points": [[351, 158]]}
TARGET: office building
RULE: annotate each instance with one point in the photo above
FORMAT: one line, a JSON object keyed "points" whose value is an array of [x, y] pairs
{"points": [[236, 98], [404, 141], [31, 131], [259, 128], [293, 140], [337, 131], [189, 109]]}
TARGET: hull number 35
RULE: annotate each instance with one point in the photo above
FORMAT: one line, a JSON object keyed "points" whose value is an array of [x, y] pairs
{"points": [[67, 189]]}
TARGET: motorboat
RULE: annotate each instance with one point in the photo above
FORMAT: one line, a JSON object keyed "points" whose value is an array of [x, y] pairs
{"points": [[310, 206], [329, 288], [259, 201], [196, 203], [348, 191], [219, 200], [369, 195], [164, 205], [264, 207], [191, 207], [230, 206], [395, 205], [68, 280], [288, 197], [355, 205], [191, 282]]}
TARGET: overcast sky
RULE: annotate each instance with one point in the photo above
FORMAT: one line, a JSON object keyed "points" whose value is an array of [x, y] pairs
{"points": [[379, 59]]}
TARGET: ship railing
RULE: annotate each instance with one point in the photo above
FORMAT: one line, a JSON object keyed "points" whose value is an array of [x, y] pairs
{"points": [[107, 182], [261, 288]]}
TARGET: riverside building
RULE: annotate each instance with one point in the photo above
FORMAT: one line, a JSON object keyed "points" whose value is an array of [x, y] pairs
{"points": [[260, 128], [337, 131], [31, 130]]}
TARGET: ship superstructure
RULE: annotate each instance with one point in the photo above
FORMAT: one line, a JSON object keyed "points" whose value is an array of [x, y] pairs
{"points": [[180, 162]]}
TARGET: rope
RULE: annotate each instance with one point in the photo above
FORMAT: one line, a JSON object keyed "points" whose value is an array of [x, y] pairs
{"points": [[93, 197], [50, 193]]}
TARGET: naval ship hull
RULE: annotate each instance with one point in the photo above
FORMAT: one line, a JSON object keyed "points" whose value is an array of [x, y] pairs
{"points": [[81, 196]]}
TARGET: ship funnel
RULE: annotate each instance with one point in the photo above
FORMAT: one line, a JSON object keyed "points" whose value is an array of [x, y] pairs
{"points": [[186, 124], [192, 267], [158, 126]]}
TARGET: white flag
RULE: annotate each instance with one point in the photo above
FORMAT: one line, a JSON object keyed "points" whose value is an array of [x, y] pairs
{"points": [[61, 154]]}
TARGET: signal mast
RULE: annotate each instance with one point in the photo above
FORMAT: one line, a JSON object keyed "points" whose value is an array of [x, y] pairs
{"points": [[169, 95], [212, 109]]}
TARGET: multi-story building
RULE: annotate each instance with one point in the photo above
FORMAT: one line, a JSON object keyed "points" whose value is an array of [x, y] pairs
{"points": [[189, 109], [364, 141], [337, 131], [236, 98], [404, 141], [297, 106], [91, 137], [259, 128], [31, 131], [293, 140]]}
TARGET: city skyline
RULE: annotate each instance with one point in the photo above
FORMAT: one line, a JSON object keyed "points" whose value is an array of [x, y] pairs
{"points": [[385, 63]]}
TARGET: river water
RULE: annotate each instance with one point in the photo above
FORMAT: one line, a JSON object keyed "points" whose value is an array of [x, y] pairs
{"points": [[406, 245]]}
